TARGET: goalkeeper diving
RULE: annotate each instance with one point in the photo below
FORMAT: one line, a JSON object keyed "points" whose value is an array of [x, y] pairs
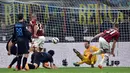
{"points": [[85, 57]]}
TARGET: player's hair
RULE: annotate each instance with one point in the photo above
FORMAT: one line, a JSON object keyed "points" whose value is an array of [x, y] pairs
{"points": [[87, 41], [116, 25], [20, 16], [34, 15], [51, 52]]}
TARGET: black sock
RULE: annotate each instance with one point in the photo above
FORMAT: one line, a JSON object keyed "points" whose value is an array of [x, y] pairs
{"points": [[24, 62], [32, 58], [19, 61], [31, 66], [13, 61]]}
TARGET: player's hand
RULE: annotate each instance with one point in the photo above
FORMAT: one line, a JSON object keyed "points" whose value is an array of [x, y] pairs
{"points": [[9, 53], [113, 54], [54, 66]]}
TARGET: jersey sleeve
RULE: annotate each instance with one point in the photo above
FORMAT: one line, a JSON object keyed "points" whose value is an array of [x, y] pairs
{"points": [[85, 53], [104, 31], [117, 36], [95, 48]]}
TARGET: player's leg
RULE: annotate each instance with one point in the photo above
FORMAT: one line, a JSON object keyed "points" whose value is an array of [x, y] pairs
{"points": [[32, 66], [12, 62], [26, 51], [103, 45], [102, 42], [78, 54], [84, 60], [105, 49], [36, 44], [19, 54], [19, 58], [32, 57], [78, 63], [39, 40], [41, 43], [104, 59], [36, 62], [29, 66], [93, 61], [13, 51], [24, 60]]}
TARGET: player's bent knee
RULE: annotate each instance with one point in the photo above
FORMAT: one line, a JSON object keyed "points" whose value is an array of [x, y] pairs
{"points": [[36, 65]]}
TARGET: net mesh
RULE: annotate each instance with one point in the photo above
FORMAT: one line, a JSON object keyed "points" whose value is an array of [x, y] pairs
{"points": [[69, 20]]}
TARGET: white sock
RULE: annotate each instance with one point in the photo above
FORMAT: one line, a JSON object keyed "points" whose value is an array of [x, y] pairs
{"points": [[104, 59]]}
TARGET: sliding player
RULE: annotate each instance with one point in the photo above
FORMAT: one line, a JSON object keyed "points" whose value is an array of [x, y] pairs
{"points": [[104, 40], [85, 57], [42, 57]]}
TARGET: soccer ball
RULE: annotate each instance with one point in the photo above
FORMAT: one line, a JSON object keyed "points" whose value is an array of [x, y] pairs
{"points": [[55, 40]]}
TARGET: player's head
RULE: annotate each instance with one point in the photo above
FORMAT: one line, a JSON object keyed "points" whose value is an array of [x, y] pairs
{"points": [[116, 26], [87, 44], [34, 17], [51, 52], [20, 17]]}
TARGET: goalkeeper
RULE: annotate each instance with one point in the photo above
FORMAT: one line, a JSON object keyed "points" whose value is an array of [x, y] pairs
{"points": [[85, 57]]}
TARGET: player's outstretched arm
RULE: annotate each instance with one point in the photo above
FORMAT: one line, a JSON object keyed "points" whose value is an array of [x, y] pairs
{"points": [[53, 66], [113, 48], [96, 36], [46, 66]]}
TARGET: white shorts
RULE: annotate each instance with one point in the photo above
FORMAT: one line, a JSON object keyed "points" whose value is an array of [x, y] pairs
{"points": [[39, 42], [104, 45]]}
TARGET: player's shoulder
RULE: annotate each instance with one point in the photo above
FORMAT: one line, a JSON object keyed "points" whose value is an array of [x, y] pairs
{"points": [[19, 24], [94, 47], [117, 32]]}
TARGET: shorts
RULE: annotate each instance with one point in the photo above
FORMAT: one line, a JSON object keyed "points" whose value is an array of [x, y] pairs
{"points": [[36, 58], [13, 50], [104, 45], [39, 42], [23, 46]]}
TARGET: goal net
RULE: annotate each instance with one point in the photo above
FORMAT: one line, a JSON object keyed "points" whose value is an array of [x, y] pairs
{"points": [[69, 20]]}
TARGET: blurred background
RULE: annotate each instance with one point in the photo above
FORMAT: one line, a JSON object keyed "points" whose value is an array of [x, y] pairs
{"points": [[69, 20]]}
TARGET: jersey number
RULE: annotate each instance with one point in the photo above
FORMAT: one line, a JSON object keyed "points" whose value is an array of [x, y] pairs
{"points": [[19, 31]]}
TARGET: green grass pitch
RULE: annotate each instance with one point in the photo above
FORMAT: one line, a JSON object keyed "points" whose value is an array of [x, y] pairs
{"points": [[72, 70]]}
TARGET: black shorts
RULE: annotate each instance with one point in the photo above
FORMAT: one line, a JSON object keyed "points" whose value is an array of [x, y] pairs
{"points": [[32, 58], [23, 46], [13, 50], [37, 57]]}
